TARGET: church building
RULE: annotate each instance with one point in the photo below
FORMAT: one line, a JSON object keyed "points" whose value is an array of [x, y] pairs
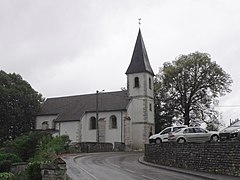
{"points": [[125, 116]]}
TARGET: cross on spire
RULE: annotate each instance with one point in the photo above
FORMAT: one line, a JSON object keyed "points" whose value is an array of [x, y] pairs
{"points": [[139, 22]]}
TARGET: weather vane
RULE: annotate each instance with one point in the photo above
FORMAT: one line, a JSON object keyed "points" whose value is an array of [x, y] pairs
{"points": [[139, 22]]}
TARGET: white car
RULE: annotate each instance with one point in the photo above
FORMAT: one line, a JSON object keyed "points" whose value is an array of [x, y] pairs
{"points": [[193, 134], [163, 135]]}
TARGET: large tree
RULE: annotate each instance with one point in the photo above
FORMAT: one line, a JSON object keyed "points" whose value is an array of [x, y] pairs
{"points": [[19, 103], [187, 89]]}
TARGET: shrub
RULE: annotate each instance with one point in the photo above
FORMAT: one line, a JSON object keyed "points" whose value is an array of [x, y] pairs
{"points": [[9, 156], [24, 146], [21, 176], [6, 160], [5, 166], [34, 171], [49, 147], [6, 176]]}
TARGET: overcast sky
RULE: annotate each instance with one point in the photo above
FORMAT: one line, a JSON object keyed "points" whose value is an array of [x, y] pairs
{"points": [[69, 47]]}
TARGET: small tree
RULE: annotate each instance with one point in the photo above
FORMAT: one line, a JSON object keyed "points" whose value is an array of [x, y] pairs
{"points": [[189, 86]]}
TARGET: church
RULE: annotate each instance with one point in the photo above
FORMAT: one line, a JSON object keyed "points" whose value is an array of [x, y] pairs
{"points": [[125, 116]]}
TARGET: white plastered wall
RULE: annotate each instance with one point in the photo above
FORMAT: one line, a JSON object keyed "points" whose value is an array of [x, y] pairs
{"points": [[70, 128], [41, 119], [111, 135]]}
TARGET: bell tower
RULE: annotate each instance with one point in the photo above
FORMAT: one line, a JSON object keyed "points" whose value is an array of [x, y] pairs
{"points": [[140, 88]]}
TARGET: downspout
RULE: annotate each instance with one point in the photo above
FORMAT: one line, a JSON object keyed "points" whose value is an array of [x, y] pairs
{"points": [[59, 128], [121, 125]]}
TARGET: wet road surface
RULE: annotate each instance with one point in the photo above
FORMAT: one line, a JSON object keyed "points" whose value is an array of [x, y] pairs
{"points": [[117, 166]]}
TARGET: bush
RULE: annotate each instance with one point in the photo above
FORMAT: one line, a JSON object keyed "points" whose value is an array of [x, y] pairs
{"points": [[24, 146], [49, 147], [10, 157], [6, 176], [5, 166], [21, 176], [34, 171], [6, 160]]}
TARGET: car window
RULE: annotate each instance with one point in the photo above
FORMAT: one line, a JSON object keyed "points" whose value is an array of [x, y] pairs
{"points": [[188, 130], [237, 124], [199, 130], [176, 128], [168, 130]]}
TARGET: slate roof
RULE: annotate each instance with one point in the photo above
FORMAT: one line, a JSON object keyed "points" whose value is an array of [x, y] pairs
{"points": [[139, 62], [71, 108]]}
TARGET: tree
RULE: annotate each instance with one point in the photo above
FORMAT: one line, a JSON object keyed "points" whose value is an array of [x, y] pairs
{"points": [[19, 103], [187, 89]]}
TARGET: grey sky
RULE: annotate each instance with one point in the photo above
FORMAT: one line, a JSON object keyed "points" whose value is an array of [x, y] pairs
{"points": [[67, 47]]}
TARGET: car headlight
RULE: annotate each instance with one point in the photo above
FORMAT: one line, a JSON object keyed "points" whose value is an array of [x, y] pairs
{"points": [[235, 131]]}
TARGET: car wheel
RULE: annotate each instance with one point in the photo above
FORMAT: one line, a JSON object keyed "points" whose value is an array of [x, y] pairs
{"points": [[181, 140], [214, 138], [158, 141]]}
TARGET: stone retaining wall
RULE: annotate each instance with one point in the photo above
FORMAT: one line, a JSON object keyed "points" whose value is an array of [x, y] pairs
{"points": [[90, 147], [18, 167], [222, 157], [54, 171]]}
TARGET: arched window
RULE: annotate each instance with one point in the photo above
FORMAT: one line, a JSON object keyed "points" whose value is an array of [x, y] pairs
{"points": [[136, 82], [93, 123], [113, 122], [45, 125], [150, 83]]}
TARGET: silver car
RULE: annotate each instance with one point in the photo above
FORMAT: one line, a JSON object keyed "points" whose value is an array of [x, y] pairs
{"points": [[193, 134], [231, 133]]}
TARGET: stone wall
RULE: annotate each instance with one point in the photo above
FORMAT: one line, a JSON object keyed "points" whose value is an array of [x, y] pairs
{"points": [[119, 146], [222, 157], [17, 168], [91, 147], [54, 171]]}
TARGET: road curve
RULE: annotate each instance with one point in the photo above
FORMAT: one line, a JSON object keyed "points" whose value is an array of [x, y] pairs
{"points": [[117, 166]]}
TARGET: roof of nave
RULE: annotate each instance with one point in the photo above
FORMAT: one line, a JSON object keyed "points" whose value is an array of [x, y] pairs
{"points": [[71, 108]]}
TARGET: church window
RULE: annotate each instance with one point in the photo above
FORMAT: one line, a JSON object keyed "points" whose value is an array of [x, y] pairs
{"points": [[136, 82], [150, 107], [93, 123], [45, 125], [113, 122], [150, 83]]}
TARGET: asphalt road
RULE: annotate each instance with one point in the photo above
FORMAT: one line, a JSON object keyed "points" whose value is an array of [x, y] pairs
{"points": [[117, 166]]}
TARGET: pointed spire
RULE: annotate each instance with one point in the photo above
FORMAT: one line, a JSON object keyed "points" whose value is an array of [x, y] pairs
{"points": [[139, 62]]}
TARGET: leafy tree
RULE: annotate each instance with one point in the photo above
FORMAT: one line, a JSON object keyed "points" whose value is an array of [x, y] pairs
{"points": [[164, 113], [19, 103], [187, 89]]}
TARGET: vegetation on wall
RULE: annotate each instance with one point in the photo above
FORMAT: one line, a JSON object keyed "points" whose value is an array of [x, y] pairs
{"points": [[39, 148]]}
